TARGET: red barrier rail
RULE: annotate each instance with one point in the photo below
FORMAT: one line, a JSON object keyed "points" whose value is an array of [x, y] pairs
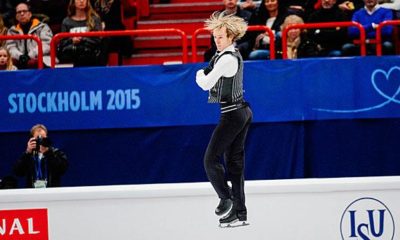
{"points": [[166, 31], [194, 42], [29, 36], [323, 25], [379, 34], [249, 28]]}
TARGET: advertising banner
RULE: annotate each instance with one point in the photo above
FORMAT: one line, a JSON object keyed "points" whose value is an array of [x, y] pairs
{"points": [[24, 224], [296, 209], [157, 96]]}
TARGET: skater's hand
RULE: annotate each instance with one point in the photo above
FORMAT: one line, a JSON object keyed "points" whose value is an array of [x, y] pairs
{"points": [[200, 74]]}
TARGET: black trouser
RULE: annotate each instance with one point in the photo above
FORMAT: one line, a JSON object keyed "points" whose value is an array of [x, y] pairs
{"points": [[229, 138]]}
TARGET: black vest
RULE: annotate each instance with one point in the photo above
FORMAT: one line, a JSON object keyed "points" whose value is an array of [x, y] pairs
{"points": [[227, 89]]}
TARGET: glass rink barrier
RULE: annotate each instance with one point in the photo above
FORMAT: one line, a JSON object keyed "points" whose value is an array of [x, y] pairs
{"points": [[312, 209]]}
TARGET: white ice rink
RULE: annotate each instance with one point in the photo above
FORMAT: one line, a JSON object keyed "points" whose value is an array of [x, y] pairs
{"points": [[303, 209]]}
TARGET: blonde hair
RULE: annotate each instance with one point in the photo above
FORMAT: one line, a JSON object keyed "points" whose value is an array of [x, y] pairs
{"points": [[291, 19], [235, 26], [90, 13], [3, 30], [36, 127], [292, 44], [9, 64], [2, 26]]}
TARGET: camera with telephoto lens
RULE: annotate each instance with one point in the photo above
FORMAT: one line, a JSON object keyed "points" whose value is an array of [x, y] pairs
{"points": [[23, 61], [40, 141]]}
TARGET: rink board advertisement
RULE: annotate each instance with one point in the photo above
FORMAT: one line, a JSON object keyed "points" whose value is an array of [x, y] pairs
{"points": [[311, 209], [156, 96], [24, 224]]}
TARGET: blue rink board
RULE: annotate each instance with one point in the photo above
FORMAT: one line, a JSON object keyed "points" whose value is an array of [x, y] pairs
{"points": [[151, 124], [158, 96]]}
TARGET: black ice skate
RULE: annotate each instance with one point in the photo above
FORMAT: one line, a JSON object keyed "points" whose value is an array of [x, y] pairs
{"points": [[224, 206], [234, 219]]}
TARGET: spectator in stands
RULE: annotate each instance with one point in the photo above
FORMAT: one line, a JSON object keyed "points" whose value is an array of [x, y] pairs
{"points": [[350, 6], [3, 31], [298, 45], [81, 51], [232, 8], [5, 60], [110, 14], [248, 5], [329, 40], [393, 5], [7, 11], [297, 7], [108, 10], [369, 17], [347, 5], [41, 164], [25, 52], [54, 11], [271, 14]]}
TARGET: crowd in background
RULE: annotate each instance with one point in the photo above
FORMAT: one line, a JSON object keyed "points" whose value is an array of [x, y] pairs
{"points": [[323, 42], [45, 18]]}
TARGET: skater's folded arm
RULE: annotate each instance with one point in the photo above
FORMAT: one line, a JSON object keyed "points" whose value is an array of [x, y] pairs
{"points": [[226, 66]]}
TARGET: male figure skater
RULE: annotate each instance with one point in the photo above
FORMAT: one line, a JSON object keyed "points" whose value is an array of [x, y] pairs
{"points": [[223, 78]]}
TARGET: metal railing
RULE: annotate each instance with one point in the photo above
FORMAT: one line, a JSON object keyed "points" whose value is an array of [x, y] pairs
{"points": [[379, 34], [172, 31], [167, 31], [250, 28], [323, 25], [28, 36]]}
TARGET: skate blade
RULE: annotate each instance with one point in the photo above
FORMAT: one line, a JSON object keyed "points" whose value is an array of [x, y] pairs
{"points": [[234, 224]]}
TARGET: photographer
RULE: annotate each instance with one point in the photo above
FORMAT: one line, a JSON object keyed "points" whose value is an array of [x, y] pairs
{"points": [[41, 164]]}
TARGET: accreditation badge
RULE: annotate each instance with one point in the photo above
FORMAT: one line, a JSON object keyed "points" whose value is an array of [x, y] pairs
{"points": [[40, 184]]}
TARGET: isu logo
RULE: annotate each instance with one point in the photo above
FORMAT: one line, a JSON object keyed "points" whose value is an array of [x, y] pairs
{"points": [[367, 219], [24, 224]]}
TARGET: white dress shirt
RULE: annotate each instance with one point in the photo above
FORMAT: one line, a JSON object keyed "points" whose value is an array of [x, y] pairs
{"points": [[226, 66]]}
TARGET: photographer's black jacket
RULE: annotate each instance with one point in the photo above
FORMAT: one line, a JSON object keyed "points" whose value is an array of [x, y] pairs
{"points": [[56, 161]]}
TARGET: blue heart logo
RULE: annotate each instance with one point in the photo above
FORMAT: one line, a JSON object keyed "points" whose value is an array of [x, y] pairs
{"points": [[387, 84]]}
